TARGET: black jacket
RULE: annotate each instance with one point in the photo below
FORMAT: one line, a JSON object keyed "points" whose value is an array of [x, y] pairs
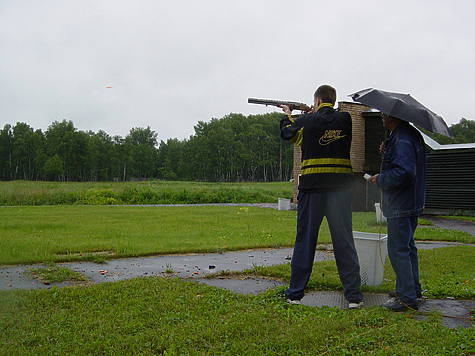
{"points": [[325, 138]]}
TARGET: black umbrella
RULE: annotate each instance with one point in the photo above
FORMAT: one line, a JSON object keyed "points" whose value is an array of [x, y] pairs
{"points": [[404, 107]]}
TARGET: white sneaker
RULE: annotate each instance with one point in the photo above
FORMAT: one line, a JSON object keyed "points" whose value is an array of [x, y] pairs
{"points": [[294, 301], [355, 305]]}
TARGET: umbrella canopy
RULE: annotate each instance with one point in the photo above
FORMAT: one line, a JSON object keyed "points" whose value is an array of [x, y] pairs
{"points": [[404, 107]]}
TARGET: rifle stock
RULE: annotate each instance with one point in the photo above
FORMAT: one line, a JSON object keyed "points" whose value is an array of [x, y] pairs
{"points": [[293, 105]]}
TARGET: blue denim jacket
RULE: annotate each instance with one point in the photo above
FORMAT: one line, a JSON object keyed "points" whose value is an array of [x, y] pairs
{"points": [[403, 173]]}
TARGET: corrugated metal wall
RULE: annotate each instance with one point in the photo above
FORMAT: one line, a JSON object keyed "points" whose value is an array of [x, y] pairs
{"points": [[451, 179]]}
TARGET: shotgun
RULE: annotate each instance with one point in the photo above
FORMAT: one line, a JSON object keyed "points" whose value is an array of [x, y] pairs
{"points": [[293, 105]]}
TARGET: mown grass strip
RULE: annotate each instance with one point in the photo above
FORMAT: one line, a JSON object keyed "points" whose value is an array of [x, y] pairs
{"points": [[48, 234], [71, 233]]}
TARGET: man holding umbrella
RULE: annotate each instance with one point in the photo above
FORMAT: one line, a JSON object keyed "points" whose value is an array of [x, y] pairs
{"points": [[402, 180]]}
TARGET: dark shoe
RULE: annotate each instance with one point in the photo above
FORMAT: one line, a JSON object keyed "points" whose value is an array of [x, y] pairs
{"points": [[397, 306], [393, 295]]}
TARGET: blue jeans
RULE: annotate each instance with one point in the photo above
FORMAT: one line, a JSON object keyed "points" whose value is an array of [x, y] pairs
{"points": [[336, 207], [402, 252]]}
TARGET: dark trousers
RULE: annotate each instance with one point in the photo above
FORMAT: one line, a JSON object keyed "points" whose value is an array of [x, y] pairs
{"points": [[336, 207], [402, 252]]}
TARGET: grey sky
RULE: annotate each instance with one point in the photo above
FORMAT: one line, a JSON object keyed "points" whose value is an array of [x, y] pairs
{"points": [[170, 64]]}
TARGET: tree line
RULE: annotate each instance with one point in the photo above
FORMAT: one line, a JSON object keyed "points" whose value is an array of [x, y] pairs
{"points": [[232, 149], [235, 148]]}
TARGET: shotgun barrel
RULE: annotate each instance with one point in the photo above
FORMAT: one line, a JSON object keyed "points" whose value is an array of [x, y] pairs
{"points": [[293, 105]]}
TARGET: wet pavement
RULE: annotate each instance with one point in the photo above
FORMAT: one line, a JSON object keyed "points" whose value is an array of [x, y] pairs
{"points": [[194, 266], [452, 224], [197, 266]]}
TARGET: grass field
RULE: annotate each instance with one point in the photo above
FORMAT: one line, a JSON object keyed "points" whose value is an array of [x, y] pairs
{"points": [[67, 233], [17, 193], [35, 234], [169, 316], [161, 316]]}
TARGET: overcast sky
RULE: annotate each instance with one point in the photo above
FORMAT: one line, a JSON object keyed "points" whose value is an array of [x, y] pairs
{"points": [[113, 64]]}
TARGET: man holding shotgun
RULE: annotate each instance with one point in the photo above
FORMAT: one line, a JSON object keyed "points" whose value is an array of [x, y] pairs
{"points": [[324, 135]]}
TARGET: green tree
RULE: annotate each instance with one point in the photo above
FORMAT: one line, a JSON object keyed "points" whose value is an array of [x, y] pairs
{"points": [[6, 153], [81, 167], [123, 151], [71, 146], [143, 136], [53, 168], [21, 152], [463, 132], [102, 156], [60, 143], [144, 151], [171, 160]]}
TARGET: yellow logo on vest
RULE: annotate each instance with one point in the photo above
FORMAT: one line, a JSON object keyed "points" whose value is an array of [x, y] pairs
{"points": [[330, 136]]}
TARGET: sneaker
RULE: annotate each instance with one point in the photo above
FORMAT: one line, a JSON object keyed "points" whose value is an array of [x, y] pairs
{"points": [[355, 305], [293, 301], [397, 306], [392, 294]]}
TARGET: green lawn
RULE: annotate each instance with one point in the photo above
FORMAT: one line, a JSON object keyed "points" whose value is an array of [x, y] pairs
{"points": [[161, 316], [35, 234], [67, 233], [170, 316]]}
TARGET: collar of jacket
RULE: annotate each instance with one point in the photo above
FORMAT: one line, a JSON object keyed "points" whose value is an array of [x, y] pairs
{"points": [[396, 129], [325, 105]]}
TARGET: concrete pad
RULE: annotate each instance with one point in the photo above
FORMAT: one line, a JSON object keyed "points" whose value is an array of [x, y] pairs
{"points": [[454, 313], [15, 277], [197, 266], [337, 299], [183, 266], [429, 245]]}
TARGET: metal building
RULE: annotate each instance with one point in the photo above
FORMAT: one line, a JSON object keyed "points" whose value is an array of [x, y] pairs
{"points": [[450, 178]]}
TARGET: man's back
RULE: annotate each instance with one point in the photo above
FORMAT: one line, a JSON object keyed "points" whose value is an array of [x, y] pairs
{"points": [[326, 144], [403, 173]]}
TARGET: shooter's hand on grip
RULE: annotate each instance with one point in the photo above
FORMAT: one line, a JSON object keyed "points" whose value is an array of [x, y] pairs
{"points": [[287, 110]]}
